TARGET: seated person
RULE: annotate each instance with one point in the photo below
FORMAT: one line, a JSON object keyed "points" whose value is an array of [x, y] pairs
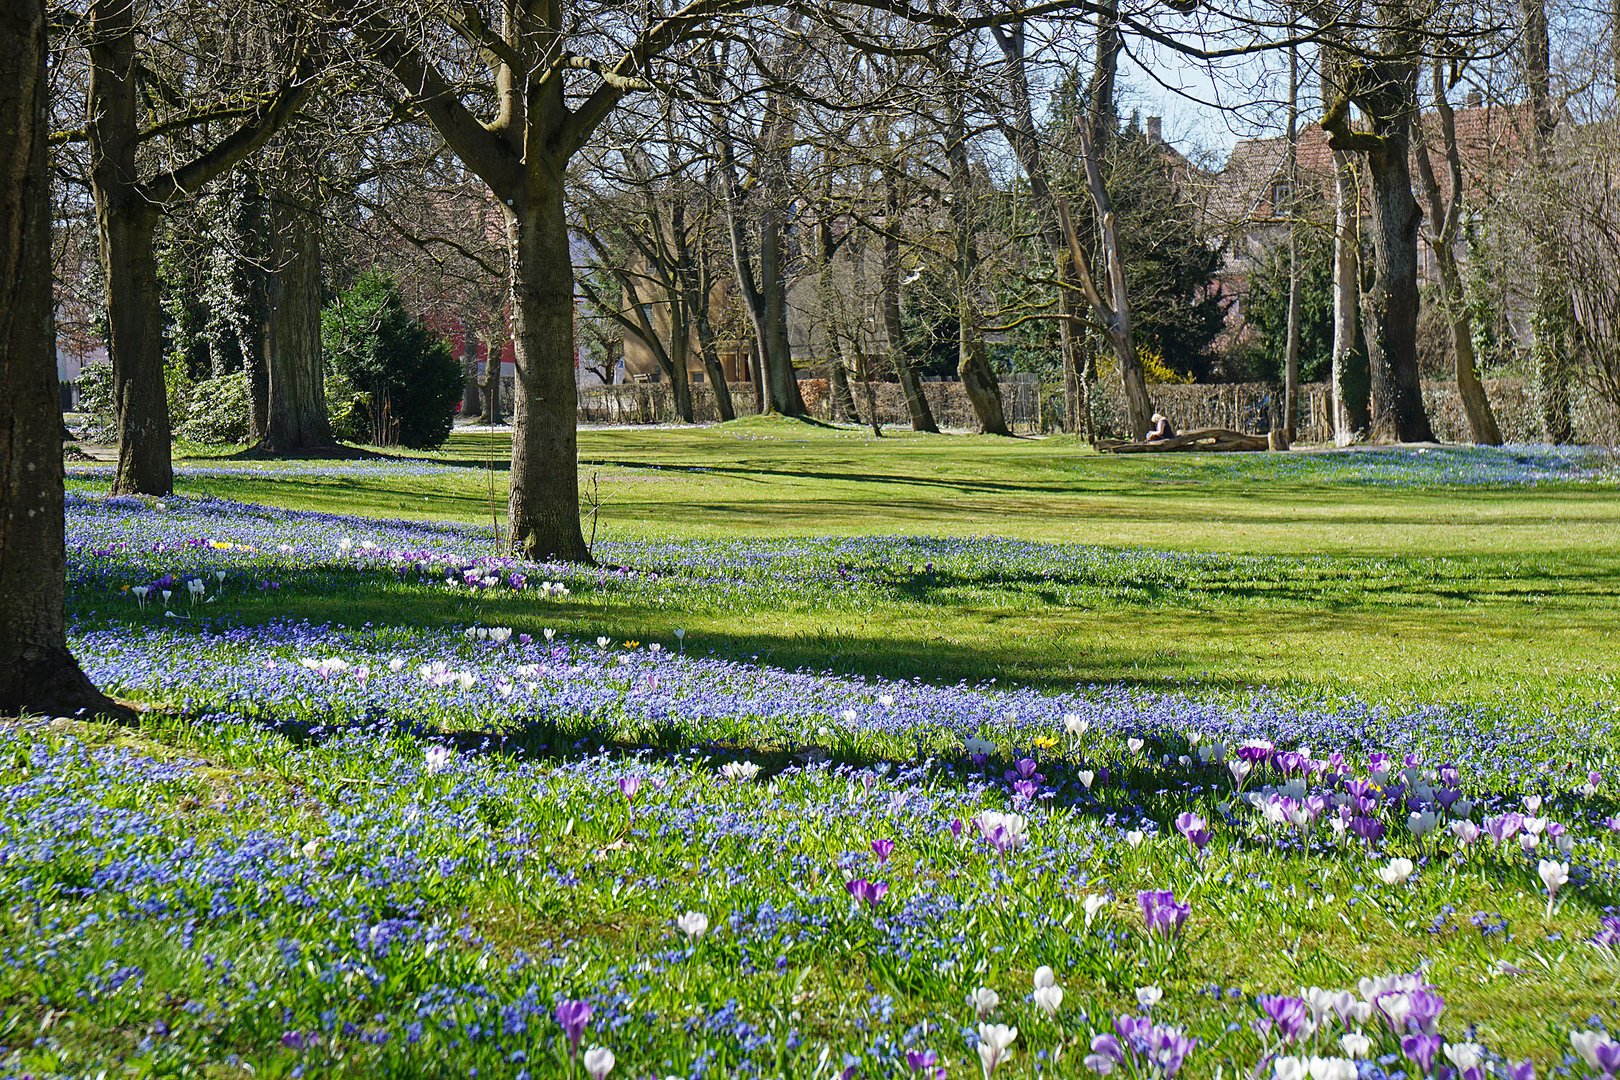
{"points": [[1161, 429]]}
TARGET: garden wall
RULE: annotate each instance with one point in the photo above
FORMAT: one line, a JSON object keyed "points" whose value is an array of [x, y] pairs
{"points": [[1033, 408]]}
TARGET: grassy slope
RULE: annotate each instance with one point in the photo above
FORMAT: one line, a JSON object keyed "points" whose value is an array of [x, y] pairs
{"points": [[1437, 593]]}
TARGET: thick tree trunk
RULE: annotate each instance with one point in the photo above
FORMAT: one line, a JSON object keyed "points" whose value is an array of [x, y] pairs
{"points": [[1291, 346], [297, 419], [781, 383], [710, 352], [1392, 303], [680, 377], [37, 672], [544, 507], [1350, 375], [489, 386], [973, 368], [978, 380], [922, 417], [127, 223], [135, 346], [841, 401]]}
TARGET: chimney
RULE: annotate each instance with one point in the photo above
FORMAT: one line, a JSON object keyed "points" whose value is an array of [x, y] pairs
{"points": [[1475, 99], [1155, 130]]}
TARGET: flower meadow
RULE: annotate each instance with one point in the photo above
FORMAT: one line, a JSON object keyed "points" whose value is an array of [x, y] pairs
{"points": [[385, 820]]}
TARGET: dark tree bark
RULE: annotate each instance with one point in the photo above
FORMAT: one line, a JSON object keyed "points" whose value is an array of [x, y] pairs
{"points": [[709, 349], [1444, 219], [38, 673], [973, 367], [489, 384], [842, 403], [544, 504], [296, 415], [129, 207], [1349, 374], [1385, 89], [764, 292], [922, 417]]}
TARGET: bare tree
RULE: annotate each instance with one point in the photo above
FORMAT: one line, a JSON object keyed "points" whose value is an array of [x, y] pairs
{"points": [[1443, 222]]}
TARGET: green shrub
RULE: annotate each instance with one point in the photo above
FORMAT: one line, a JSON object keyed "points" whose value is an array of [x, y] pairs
{"points": [[96, 400], [218, 411], [392, 380]]}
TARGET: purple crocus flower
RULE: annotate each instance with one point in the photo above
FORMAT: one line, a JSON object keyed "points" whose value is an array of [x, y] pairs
{"points": [[1422, 1049], [628, 786], [925, 1062], [1524, 1070], [1608, 1056], [1504, 827], [1162, 913], [870, 892], [1369, 829], [1426, 1009], [882, 849], [1169, 1048], [1107, 1046], [1195, 829], [573, 1016], [1288, 1014]]}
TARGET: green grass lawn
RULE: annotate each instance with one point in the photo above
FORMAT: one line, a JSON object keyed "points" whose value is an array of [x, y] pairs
{"points": [[1443, 591]]}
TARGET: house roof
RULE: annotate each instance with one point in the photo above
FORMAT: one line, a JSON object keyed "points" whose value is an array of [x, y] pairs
{"points": [[1490, 142]]}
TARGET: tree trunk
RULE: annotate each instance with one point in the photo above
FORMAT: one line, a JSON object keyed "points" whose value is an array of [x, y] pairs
{"points": [[544, 507], [1392, 303], [470, 404], [712, 366], [841, 403], [1444, 217], [781, 383], [978, 380], [37, 672], [1482, 424], [135, 347], [922, 417], [297, 419], [680, 376], [254, 344], [1350, 375], [490, 385], [755, 365]]}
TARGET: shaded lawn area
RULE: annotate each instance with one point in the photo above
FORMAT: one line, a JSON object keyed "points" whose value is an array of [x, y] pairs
{"points": [[1382, 587]]}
